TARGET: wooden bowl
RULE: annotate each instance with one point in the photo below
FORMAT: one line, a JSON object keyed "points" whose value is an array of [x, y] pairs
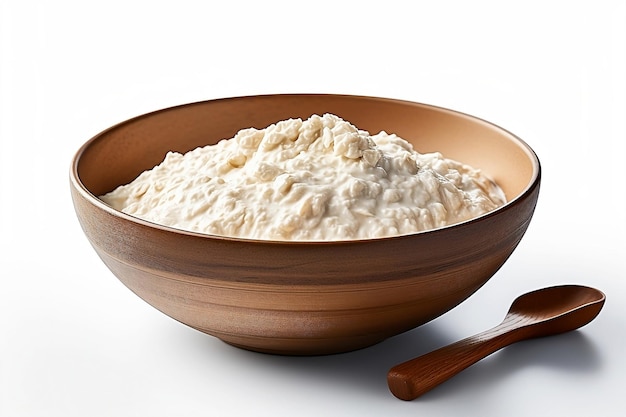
{"points": [[302, 298]]}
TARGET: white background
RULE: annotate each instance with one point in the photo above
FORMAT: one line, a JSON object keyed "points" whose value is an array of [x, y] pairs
{"points": [[75, 342]]}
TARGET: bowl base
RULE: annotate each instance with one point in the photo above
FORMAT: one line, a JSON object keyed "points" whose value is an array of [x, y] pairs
{"points": [[303, 352], [299, 347]]}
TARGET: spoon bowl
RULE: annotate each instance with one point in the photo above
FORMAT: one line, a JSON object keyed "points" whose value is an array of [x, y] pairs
{"points": [[556, 310], [538, 313]]}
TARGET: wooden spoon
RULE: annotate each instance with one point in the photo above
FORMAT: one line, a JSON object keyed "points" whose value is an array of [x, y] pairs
{"points": [[539, 313]]}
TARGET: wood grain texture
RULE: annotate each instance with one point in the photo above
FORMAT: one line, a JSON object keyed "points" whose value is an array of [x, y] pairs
{"points": [[540, 313], [299, 297]]}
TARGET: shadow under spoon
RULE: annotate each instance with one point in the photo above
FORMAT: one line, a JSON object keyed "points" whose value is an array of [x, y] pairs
{"points": [[538, 313]]}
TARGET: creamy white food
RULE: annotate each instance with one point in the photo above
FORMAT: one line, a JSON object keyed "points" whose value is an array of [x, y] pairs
{"points": [[315, 179]]}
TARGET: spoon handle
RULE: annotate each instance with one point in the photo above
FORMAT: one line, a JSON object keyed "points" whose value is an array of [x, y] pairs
{"points": [[413, 378]]}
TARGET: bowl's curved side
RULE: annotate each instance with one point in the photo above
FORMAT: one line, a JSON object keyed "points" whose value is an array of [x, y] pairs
{"points": [[347, 296]]}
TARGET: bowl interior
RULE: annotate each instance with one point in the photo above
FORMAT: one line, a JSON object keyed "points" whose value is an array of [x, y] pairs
{"points": [[118, 155]]}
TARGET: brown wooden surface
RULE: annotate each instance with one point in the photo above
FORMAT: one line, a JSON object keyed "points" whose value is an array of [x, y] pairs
{"points": [[540, 313], [298, 297]]}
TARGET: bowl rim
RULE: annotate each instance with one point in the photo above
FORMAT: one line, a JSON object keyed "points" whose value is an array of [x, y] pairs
{"points": [[80, 187]]}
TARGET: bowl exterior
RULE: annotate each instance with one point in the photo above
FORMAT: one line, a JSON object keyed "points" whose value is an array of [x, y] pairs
{"points": [[301, 298], [298, 299]]}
